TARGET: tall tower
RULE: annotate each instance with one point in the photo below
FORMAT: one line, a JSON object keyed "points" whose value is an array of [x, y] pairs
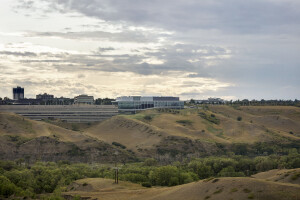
{"points": [[18, 93]]}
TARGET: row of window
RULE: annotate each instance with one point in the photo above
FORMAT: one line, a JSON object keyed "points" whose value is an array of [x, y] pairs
{"points": [[151, 104]]}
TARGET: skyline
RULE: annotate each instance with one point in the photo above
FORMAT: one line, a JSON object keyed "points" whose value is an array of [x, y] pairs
{"points": [[228, 49]]}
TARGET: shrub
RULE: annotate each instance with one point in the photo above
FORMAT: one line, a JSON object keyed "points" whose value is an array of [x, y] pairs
{"points": [[75, 127], [246, 190], [251, 196], [146, 184], [118, 145], [148, 117], [239, 118], [150, 162], [295, 176], [7, 188], [164, 176], [233, 190], [211, 118], [218, 191], [184, 122]]}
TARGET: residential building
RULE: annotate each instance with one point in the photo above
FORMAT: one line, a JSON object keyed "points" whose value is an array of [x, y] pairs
{"points": [[45, 97]]}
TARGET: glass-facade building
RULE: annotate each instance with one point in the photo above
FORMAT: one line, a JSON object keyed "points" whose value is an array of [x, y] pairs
{"points": [[141, 103]]}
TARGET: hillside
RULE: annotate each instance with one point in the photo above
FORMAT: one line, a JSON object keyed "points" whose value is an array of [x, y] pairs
{"points": [[200, 130], [36, 140], [218, 188], [280, 175], [164, 134]]}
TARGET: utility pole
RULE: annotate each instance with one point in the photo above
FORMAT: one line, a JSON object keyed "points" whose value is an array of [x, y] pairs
{"points": [[116, 168]]}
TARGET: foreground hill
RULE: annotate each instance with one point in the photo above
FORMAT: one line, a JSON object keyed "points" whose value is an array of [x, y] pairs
{"points": [[34, 140], [218, 188], [281, 175]]}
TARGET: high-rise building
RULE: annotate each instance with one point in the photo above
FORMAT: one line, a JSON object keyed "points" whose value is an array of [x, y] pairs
{"points": [[18, 93]]}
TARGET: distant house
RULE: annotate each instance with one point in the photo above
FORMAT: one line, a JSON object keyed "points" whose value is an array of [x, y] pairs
{"points": [[84, 99], [210, 101], [45, 97]]}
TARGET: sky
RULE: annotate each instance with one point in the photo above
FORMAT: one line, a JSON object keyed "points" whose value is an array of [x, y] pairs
{"points": [[231, 49]]}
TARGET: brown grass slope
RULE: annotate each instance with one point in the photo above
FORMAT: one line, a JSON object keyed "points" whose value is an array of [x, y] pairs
{"points": [[36, 140], [280, 119], [132, 133], [281, 175], [222, 188], [152, 128]]}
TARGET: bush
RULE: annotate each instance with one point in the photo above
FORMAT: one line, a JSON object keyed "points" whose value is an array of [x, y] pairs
{"points": [[75, 127], [118, 145], [164, 176], [148, 117], [150, 162], [184, 122], [211, 118], [7, 188], [135, 178], [203, 171], [239, 118], [146, 184]]}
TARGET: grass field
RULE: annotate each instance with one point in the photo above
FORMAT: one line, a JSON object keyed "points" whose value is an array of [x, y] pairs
{"points": [[213, 188]]}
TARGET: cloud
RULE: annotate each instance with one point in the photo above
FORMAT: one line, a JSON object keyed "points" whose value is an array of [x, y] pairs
{"points": [[22, 54], [249, 48], [249, 17], [124, 36]]}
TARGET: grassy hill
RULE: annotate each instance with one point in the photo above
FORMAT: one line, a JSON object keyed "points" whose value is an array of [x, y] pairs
{"points": [[203, 129], [35, 140], [281, 175], [214, 188], [195, 132]]}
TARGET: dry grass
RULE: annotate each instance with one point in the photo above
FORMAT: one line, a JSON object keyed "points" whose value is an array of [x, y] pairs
{"points": [[225, 188], [281, 175]]}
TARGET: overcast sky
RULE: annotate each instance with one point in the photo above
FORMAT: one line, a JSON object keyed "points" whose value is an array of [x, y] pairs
{"points": [[233, 49]]}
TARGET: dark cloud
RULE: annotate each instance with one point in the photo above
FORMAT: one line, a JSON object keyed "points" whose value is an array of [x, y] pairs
{"points": [[103, 49], [229, 15], [22, 54]]}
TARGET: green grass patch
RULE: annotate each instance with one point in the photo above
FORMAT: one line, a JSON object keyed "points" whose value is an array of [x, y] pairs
{"points": [[218, 191], [251, 196], [211, 118], [295, 176], [246, 190], [19, 140], [233, 190]]}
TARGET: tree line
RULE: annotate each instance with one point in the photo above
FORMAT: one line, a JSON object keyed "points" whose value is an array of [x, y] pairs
{"points": [[42, 178]]}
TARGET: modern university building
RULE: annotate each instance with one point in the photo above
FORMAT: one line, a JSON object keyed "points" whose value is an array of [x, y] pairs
{"points": [[133, 103]]}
